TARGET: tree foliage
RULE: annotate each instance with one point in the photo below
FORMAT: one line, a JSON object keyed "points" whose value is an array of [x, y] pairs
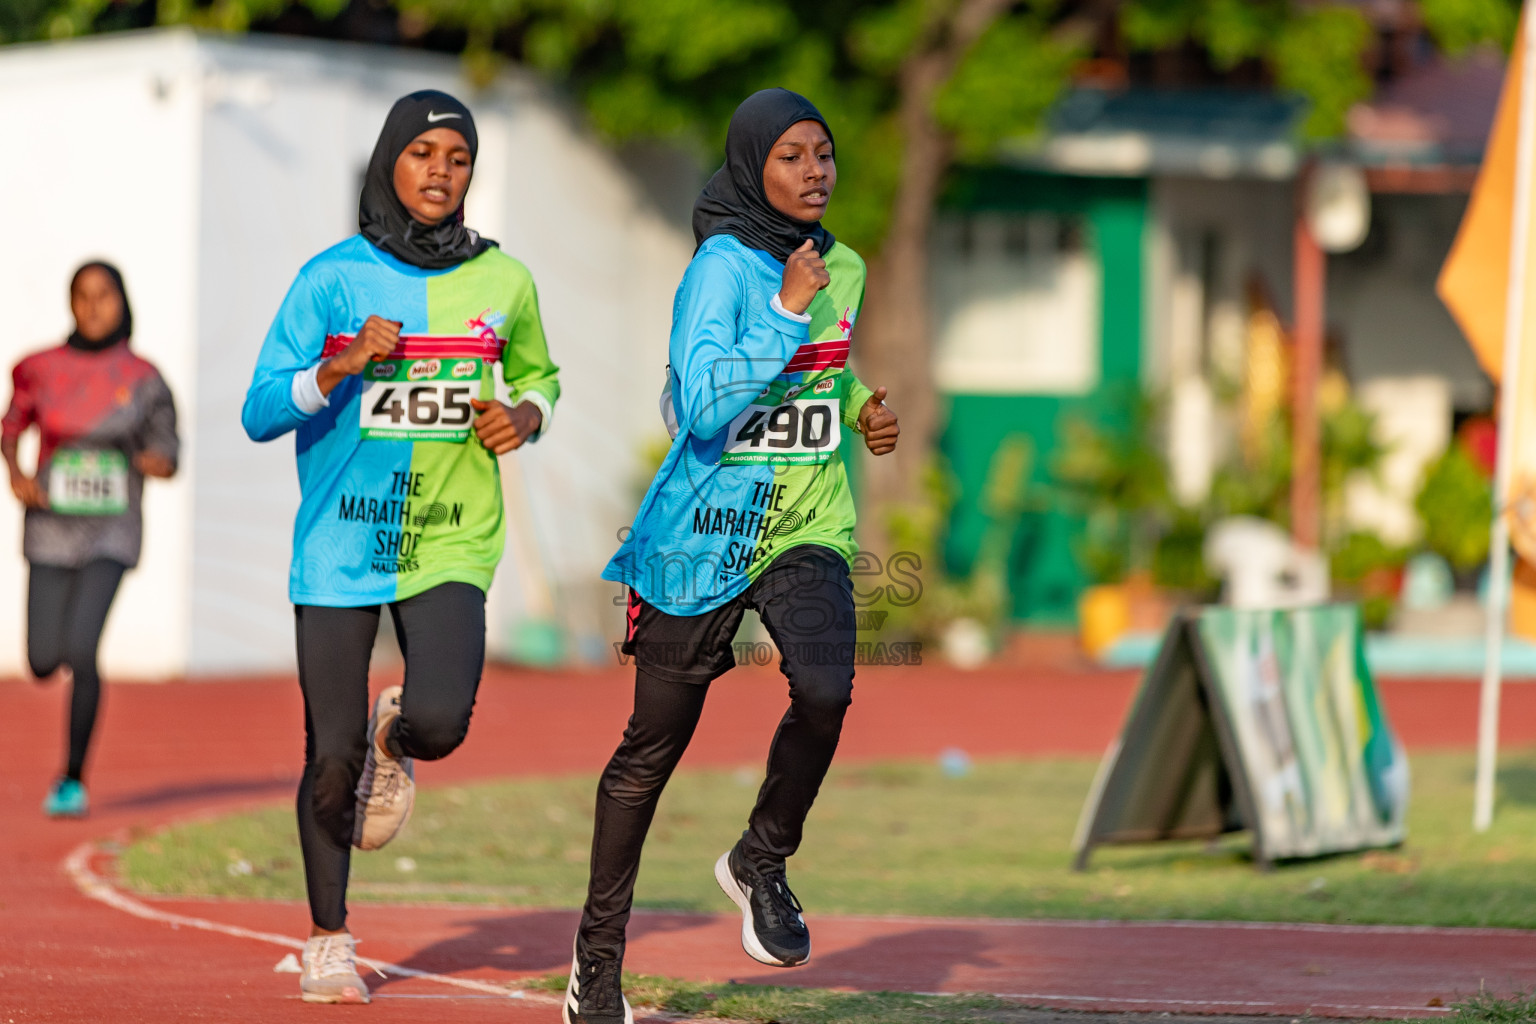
{"points": [[1459, 25], [673, 69], [1314, 50]]}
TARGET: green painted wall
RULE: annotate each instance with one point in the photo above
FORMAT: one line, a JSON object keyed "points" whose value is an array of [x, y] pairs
{"points": [[1044, 571]]}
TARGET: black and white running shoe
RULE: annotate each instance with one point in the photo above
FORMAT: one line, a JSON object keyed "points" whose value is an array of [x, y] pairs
{"points": [[773, 930], [594, 995]]}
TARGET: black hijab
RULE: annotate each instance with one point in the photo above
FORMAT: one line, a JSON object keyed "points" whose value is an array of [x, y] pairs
{"points": [[381, 216], [733, 201], [124, 328]]}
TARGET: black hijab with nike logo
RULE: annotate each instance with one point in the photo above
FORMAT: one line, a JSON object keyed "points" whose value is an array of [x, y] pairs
{"points": [[384, 220], [734, 202]]}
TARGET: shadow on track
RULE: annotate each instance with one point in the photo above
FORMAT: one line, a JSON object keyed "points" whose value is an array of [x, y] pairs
{"points": [[206, 789]]}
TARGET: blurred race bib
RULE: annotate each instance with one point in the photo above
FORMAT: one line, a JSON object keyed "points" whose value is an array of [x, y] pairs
{"points": [[88, 482]]}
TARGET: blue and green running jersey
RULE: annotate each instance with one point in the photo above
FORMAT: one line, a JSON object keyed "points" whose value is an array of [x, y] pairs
{"points": [[399, 495], [757, 465]]}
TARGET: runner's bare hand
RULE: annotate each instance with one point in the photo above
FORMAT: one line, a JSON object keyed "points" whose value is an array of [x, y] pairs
{"points": [[154, 464], [878, 424], [27, 491], [805, 274], [376, 339], [502, 428]]}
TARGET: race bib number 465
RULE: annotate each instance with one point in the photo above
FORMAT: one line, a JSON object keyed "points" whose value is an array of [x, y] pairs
{"points": [[419, 399], [422, 391], [88, 483], [798, 425]]}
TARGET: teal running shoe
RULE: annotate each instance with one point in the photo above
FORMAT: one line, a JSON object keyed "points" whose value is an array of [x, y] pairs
{"points": [[66, 800]]}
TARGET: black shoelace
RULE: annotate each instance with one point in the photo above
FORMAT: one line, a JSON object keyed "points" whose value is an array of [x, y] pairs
{"points": [[601, 992], [778, 903]]}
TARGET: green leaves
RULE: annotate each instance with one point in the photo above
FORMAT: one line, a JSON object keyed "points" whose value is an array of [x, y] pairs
{"points": [[1458, 25], [687, 38], [1316, 50], [885, 35], [23, 20], [631, 105], [1006, 85], [1318, 54], [1157, 24], [1235, 30], [1455, 503]]}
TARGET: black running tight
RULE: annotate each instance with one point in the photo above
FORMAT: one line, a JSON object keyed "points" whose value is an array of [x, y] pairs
{"points": [[66, 611], [809, 614], [442, 636]]}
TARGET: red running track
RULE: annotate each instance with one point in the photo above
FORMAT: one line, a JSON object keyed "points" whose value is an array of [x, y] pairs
{"points": [[185, 749]]}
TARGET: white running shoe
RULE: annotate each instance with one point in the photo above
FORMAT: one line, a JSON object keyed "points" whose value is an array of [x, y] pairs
{"points": [[330, 971], [387, 790]]}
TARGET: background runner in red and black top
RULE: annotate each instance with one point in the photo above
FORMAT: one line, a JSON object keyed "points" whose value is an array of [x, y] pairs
{"points": [[105, 420]]}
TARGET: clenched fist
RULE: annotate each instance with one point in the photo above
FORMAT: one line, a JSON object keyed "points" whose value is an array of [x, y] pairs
{"points": [[805, 274], [502, 428], [376, 340]]}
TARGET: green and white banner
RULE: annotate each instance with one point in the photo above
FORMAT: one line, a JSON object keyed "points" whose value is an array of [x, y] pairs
{"points": [[1260, 720]]}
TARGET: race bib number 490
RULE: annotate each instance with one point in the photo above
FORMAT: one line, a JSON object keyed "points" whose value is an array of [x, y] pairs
{"points": [[88, 483], [419, 399], [794, 426]]}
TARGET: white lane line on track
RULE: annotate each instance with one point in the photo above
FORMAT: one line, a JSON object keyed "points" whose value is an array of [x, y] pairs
{"points": [[1219, 1005], [78, 866]]}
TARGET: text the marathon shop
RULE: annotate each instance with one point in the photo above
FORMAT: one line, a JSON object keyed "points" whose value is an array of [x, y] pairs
{"points": [[405, 516]]}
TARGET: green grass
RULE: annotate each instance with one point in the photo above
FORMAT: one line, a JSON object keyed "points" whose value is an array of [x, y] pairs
{"points": [[759, 1004], [898, 838], [764, 1003], [1483, 1008]]}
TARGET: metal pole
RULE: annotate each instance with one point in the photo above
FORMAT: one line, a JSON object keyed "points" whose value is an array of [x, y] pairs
{"points": [[1310, 273], [1509, 394]]}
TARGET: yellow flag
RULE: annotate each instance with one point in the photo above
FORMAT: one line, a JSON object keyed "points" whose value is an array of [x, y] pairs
{"points": [[1474, 285], [1475, 279]]}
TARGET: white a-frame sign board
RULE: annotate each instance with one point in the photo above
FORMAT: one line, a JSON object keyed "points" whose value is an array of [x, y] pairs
{"points": [[1265, 721]]}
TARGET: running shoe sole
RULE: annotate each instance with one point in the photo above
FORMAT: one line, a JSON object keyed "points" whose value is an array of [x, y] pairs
{"points": [[74, 813], [348, 996], [749, 942]]}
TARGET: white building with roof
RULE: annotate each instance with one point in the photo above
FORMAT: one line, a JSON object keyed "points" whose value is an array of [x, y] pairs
{"points": [[209, 169]]}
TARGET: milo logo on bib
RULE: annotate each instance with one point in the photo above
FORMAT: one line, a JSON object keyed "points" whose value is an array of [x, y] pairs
{"points": [[421, 391]]}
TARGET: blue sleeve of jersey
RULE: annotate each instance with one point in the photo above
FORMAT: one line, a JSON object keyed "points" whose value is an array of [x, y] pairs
{"points": [[294, 343], [723, 353]]}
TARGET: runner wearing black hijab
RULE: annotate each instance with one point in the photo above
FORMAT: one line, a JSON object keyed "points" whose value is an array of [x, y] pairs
{"points": [[105, 421], [750, 509], [380, 362]]}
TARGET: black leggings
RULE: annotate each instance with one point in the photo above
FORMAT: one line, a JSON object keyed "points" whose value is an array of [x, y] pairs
{"points": [[811, 621], [442, 635], [66, 610]]}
